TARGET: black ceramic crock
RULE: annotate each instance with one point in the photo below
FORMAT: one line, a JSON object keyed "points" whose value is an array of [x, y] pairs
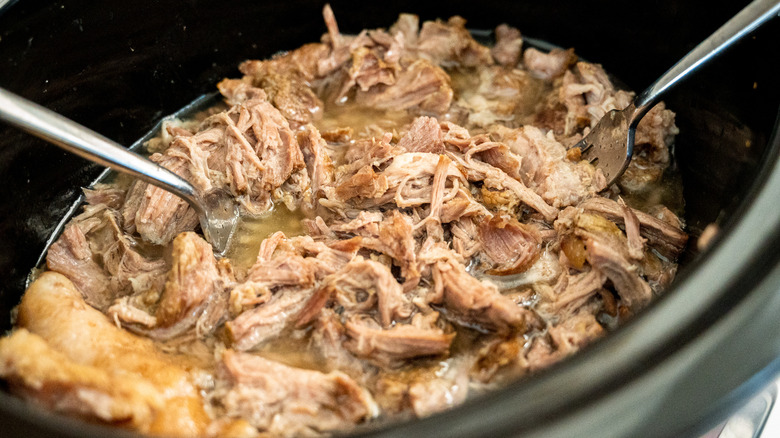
{"points": [[675, 370]]}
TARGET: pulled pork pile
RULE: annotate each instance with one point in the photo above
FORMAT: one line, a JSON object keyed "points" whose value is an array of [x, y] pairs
{"points": [[452, 242]]}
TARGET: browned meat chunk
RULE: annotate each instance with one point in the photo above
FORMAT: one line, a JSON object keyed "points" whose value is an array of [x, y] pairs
{"points": [[261, 151], [367, 70], [340, 44], [408, 26], [71, 256], [318, 163], [194, 296], [636, 243], [363, 285], [634, 292], [607, 250], [365, 224], [407, 179], [450, 44], [102, 262], [668, 239], [465, 238], [508, 45], [655, 134], [161, 215], [364, 184], [575, 332], [296, 265], [105, 194], [471, 302], [327, 257], [499, 155], [461, 205], [573, 290], [421, 86], [193, 280], [266, 321], [513, 247], [586, 94], [286, 401], [40, 373], [394, 237], [286, 81], [544, 168], [496, 179], [374, 150], [53, 309], [391, 347], [131, 272], [237, 91], [278, 269], [423, 136], [193, 302], [565, 339], [359, 288], [327, 341], [549, 65]]}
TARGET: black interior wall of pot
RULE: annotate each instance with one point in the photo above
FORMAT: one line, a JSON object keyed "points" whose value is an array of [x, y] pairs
{"points": [[119, 66]]}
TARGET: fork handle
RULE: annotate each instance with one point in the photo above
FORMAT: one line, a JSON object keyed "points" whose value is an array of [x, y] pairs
{"points": [[748, 19], [88, 144]]}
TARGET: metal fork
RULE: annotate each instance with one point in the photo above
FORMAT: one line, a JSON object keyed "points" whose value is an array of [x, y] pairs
{"points": [[610, 144], [217, 211]]}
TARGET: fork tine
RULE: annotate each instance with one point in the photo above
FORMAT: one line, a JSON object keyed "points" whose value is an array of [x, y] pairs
{"points": [[606, 146]]}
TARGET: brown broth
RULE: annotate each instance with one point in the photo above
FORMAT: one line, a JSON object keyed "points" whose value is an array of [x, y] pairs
{"points": [[667, 191], [365, 122], [253, 230], [292, 348]]}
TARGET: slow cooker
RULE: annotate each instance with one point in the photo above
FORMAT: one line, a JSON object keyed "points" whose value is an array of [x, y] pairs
{"points": [[677, 369]]}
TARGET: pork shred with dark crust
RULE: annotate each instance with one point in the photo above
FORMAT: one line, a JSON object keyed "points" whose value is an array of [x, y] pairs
{"points": [[422, 231]]}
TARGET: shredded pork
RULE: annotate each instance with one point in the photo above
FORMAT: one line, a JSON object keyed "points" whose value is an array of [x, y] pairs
{"points": [[447, 240]]}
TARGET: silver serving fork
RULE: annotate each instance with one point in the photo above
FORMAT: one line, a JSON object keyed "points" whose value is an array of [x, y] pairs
{"points": [[217, 211], [610, 144]]}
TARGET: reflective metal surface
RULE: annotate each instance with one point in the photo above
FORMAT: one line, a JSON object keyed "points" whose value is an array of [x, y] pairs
{"points": [[217, 211], [610, 144]]}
